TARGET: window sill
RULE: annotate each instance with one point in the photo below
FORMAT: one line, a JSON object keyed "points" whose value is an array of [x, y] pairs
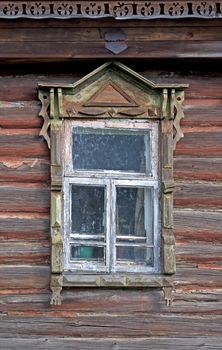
{"points": [[116, 280]]}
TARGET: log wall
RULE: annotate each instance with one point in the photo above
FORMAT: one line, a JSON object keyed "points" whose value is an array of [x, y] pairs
{"points": [[109, 318]]}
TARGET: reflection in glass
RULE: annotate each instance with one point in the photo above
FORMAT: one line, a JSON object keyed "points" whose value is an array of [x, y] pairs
{"points": [[87, 211], [134, 214], [135, 254], [111, 149], [134, 224], [87, 252]]}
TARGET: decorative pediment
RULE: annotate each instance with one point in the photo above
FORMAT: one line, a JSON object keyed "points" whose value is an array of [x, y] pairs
{"points": [[112, 91], [111, 95]]}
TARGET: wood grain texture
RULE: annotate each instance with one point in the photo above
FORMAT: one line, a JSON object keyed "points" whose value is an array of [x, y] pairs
{"points": [[51, 40], [21, 144], [24, 199], [19, 114], [95, 33], [151, 343], [194, 169], [198, 226], [198, 195], [109, 318], [21, 277], [208, 144], [116, 325], [23, 169], [24, 229], [46, 52], [32, 301]]}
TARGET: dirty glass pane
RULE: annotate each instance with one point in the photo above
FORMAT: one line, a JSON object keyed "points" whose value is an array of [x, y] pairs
{"points": [[135, 254], [134, 213], [111, 149], [87, 210], [87, 252]]}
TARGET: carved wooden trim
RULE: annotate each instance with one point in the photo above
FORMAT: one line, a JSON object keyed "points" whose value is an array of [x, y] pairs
{"points": [[154, 102], [56, 288], [44, 98], [177, 102], [168, 295], [116, 9]]}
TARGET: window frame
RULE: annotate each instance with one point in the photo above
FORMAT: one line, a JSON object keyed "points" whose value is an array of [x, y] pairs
{"points": [[154, 102], [111, 179]]}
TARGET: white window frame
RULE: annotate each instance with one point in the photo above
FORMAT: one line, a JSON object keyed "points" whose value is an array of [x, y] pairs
{"points": [[111, 180]]}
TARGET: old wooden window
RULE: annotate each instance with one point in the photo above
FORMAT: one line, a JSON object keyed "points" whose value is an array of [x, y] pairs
{"points": [[112, 136], [111, 196]]}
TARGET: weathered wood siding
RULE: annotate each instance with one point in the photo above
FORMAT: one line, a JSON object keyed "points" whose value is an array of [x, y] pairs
{"points": [[95, 318]]}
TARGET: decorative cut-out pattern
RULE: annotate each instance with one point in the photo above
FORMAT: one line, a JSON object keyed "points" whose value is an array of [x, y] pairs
{"points": [[116, 9]]}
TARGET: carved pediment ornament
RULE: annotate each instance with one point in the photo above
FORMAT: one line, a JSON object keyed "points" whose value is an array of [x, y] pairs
{"points": [[111, 91], [116, 9], [111, 95]]}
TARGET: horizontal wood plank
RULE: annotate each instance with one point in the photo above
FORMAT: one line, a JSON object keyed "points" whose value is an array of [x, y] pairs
{"points": [[208, 144], [46, 52], [198, 226], [27, 229], [23, 145], [150, 343], [198, 195], [144, 301], [202, 112], [193, 169], [20, 199], [116, 325], [35, 252], [200, 253], [24, 170], [21, 277], [95, 33], [20, 114]]}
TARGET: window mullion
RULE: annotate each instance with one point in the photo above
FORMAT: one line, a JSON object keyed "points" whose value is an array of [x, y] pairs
{"points": [[113, 226], [108, 225]]}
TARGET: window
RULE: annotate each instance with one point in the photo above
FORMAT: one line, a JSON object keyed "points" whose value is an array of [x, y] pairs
{"points": [[111, 197], [111, 136]]}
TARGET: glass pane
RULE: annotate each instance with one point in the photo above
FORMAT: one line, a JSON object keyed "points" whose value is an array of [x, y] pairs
{"points": [[135, 254], [111, 149], [87, 209], [87, 252], [134, 213]]}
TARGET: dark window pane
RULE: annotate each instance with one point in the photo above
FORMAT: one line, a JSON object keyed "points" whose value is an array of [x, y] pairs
{"points": [[87, 253], [134, 214], [110, 149], [87, 209], [135, 254]]}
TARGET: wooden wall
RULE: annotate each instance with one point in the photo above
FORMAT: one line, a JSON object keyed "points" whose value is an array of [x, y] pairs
{"points": [[109, 319]]}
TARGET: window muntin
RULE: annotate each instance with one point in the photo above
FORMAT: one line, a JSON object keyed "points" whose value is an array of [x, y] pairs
{"points": [[106, 242]]}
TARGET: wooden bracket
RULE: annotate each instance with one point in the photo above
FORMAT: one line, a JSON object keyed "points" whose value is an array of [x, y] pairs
{"points": [[45, 101], [168, 295], [56, 288], [178, 99]]}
